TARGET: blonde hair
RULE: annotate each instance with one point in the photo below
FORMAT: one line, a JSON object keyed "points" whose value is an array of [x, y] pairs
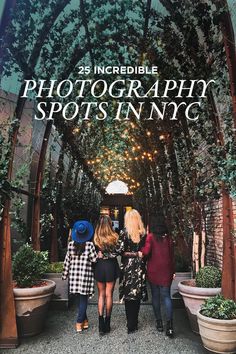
{"points": [[105, 237], [134, 225]]}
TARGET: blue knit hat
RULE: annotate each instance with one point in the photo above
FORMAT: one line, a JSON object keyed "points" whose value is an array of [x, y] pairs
{"points": [[82, 231]]}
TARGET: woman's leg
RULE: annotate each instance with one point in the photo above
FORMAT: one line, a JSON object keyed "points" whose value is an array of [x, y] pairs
{"points": [[109, 297], [109, 304], [101, 297], [77, 298], [128, 312], [82, 307], [136, 312], [165, 293], [101, 303], [156, 300], [156, 303], [131, 314]]}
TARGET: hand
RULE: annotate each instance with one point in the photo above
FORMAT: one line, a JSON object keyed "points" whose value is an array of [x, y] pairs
{"points": [[100, 254], [140, 254], [173, 276]]}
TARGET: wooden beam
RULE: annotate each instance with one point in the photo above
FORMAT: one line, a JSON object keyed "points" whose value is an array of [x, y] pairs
{"points": [[230, 50], [8, 328], [234, 274], [35, 229], [85, 24], [54, 240], [57, 206], [228, 271], [147, 15]]}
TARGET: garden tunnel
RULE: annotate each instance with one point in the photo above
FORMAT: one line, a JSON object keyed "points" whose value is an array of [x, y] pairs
{"points": [[59, 168]]}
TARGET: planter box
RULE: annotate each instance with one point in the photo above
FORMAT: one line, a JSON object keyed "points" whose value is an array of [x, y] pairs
{"points": [[31, 307], [218, 336], [193, 298], [60, 298]]}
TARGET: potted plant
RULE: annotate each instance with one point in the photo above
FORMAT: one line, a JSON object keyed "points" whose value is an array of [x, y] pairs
{"points": [[60, 298], [32, 294], [182, 272], [217, 324], [195, 291]]}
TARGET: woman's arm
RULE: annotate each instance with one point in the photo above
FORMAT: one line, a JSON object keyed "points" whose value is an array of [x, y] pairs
{"points": [[172, 258], [146, 249], [130, 254], [93, 254]]}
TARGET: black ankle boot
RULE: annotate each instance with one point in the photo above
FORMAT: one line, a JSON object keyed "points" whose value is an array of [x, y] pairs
{"points": [[108, 324], [101, 325], [169, 329], [160, 326]]}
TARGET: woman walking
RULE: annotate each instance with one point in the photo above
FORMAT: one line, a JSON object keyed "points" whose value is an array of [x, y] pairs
{"points": [[160, 271], [78, 262], [106, 270], [132, 280]]}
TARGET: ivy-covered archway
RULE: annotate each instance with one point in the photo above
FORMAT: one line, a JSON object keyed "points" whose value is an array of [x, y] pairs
{"points": [[177, 166]]}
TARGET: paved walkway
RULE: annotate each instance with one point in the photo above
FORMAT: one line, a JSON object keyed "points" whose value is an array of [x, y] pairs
{"points": [[59, 335]]}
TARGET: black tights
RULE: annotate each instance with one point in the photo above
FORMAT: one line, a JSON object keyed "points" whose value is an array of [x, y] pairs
{"points": [[105, 297], [132, 310]]}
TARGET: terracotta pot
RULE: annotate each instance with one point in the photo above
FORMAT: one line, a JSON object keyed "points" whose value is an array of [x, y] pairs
{"points": [[31, 307], [60, 298], [193, 298], [218, 336]]}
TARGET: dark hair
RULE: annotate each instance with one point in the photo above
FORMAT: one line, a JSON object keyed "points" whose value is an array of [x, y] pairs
{"points": [[79, 248], [158, 227]]}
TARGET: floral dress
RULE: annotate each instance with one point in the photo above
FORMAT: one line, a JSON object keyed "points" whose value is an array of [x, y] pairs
{"points": [[133, 269]]}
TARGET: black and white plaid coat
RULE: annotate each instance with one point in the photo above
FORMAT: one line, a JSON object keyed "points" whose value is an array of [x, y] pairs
{"points": [[79, 269]]}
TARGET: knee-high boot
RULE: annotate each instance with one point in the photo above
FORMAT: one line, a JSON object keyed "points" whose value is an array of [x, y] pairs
{"points": [[101, 325], [108, 324]]}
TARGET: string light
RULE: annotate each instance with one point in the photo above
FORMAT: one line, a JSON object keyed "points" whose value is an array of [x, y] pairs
{"points": [[109, 164], [76, 130]]}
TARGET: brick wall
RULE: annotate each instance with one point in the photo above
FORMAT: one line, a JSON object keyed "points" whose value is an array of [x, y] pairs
{"points": [[214, 231]]}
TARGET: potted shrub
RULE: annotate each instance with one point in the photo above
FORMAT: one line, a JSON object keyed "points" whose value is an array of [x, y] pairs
{"points": [[217, 324], [60, 298], [32, 294], [195, 291]]}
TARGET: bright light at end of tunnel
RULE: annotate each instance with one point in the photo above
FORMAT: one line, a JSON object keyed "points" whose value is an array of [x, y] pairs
{"points": [[117, 187]]}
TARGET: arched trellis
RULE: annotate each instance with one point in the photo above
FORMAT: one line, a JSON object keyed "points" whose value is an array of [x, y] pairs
{"points": [[166, 147]]}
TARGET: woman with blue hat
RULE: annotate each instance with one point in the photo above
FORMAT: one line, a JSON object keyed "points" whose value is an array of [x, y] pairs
{"points": [[78, 266]]}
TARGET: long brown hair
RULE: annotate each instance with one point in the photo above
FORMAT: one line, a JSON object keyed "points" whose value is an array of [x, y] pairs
{"points": [[105, 237], [134, 225]]}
